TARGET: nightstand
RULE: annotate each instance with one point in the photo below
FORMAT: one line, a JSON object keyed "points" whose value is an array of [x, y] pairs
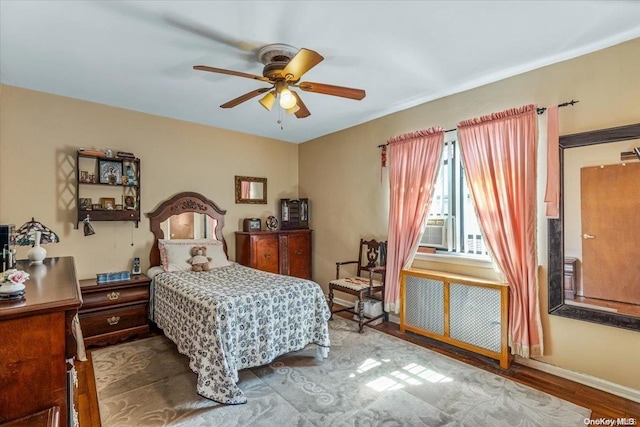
{"points": [[113, 312]]}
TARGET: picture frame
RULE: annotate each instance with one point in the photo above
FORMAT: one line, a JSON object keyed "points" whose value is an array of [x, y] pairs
{"points": [[84, 203], [108, 203], [110, 172], [96, 207], [129, 202], [119, 207], [84, 176]]}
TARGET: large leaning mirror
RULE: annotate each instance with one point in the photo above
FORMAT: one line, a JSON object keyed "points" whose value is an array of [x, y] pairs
{"points": [[594, 273], [250, 189]]}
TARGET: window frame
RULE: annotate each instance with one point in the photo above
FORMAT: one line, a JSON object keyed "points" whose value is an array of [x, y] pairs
{"points": [[456, 243]]}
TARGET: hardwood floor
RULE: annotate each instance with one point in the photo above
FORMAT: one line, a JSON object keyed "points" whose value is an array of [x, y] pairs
{"points": [[86, 397], [602, 405]]}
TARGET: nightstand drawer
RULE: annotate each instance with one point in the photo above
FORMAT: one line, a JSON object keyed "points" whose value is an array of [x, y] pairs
{"points": [[107, 321], [107, 297]]}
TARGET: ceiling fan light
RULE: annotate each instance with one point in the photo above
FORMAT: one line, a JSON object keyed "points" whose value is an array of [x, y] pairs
{"points": [[268, 100], [287, 100], [293, 109]]}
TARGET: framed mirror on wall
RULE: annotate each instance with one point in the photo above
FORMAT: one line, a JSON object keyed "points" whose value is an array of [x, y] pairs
{"points": [[250, 189], [596, 227]]}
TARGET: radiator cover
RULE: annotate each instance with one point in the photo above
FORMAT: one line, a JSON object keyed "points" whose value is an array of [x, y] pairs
{"points": [[465, 311]]}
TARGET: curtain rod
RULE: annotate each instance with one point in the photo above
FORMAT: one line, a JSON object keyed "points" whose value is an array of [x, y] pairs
{"points": [[564, 104], [538, 110]]}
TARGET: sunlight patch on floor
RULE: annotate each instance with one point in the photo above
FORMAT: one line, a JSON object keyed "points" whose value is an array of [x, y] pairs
{"points": [[384, 384], [427, 374], [368, 364], [411, 374], [404, 377]]}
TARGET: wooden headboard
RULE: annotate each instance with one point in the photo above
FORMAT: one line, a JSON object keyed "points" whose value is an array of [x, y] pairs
{"points": [[181, 203]]}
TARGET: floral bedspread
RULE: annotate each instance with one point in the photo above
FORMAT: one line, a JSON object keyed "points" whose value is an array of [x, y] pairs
{"points": [[235, 317]]}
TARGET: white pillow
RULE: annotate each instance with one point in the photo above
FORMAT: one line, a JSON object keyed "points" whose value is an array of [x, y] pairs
{"points": [[174, 254]]}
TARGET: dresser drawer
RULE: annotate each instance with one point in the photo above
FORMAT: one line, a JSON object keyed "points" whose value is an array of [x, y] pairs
{"points": [[107, 321], [106, 297]]}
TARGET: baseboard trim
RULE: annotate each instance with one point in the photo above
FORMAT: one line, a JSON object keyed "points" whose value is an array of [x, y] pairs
{"points": [[394, 318], [588, 380]]}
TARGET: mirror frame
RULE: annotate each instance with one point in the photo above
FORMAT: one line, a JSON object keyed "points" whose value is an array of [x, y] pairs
{"points": [[239, 199], [556, 236], [187, 201]]}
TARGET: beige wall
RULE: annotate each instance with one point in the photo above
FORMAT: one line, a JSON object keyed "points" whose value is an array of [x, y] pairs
{"points": [[40, 133], [340, 173]]}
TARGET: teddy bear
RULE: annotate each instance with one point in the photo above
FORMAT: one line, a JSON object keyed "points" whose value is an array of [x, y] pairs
{"points": [[199, 260]]}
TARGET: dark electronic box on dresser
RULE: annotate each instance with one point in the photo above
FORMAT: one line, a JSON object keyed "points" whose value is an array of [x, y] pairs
{"points": [[37, 346]]}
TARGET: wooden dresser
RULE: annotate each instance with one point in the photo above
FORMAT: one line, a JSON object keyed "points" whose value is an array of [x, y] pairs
{"points": [[285, 252], [36, 341], [113, 312]]}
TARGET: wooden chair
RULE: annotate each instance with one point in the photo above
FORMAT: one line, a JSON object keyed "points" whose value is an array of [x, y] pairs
{"points": [[368, 281]]}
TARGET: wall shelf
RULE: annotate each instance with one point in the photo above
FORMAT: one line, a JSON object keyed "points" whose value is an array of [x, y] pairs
{"points": [[107, 188]]}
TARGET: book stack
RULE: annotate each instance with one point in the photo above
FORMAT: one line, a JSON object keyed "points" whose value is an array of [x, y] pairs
{"points": [[125, 155], [112, 277]]}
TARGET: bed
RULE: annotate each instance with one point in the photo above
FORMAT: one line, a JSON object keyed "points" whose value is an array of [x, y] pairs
{"points": [[231, 317]]}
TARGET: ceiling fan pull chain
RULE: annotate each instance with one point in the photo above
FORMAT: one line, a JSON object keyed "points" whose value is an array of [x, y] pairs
{"points": [[280, 118]]}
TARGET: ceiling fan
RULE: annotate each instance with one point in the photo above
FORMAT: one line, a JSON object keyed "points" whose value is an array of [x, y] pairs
{"points": [[284, 65]]}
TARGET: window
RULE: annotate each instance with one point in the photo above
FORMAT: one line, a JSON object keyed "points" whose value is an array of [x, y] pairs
{"points": [[452, 225]]}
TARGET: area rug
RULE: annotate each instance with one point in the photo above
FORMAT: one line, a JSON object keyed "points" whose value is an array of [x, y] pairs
{"points": [[370, 379]]}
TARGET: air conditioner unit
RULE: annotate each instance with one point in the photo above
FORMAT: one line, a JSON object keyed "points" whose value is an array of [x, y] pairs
{"points": [[435, 233]]}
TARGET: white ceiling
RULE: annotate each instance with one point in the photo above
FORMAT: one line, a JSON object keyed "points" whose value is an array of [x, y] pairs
{"points": [[139, 55]]}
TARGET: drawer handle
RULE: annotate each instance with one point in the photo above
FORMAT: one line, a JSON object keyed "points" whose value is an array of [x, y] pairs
{"points": [[267, 255], [112, 321], [112, 296], [299, 252]]}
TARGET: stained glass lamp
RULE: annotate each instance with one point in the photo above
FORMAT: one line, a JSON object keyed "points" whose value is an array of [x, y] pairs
{"points": [[34, 234]]}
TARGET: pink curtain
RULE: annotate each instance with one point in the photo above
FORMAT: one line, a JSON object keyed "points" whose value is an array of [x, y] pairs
{"points": [[499, 154], [414, 160], [245, 189], [552, 193]]}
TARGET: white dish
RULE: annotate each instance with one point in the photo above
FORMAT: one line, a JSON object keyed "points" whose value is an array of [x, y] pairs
{"points": [[11, 288]]}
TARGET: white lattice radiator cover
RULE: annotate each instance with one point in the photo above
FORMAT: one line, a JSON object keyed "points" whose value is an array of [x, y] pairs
{"points": [[465, 311]]}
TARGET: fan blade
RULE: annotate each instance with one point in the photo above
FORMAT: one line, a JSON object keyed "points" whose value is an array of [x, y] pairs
{"points": [[303, 111], [304, 60], [231, 73], [209, 33], [245, 97], [345, 92]]}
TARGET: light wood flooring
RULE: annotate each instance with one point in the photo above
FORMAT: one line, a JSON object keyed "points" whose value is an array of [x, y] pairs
{"points": [[601, 404]]}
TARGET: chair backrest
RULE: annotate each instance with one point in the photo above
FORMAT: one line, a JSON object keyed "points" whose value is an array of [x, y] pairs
{"points": [[372, 254]]}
